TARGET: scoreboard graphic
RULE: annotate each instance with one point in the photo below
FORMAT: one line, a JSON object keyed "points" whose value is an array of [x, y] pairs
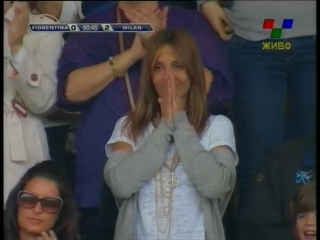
{"points": [[92, 27]]}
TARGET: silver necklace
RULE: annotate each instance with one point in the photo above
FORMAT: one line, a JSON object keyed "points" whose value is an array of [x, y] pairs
{"points": [[172, 179]]}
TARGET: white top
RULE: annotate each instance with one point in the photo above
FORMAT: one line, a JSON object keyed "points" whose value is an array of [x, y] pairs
{"points": [[33, 85], [186, 220], [71, 12], [247, 17]]}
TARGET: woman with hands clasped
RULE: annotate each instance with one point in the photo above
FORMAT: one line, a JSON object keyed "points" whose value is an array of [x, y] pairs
{"points": [[99, 74], [170, 162], [30, 61]]}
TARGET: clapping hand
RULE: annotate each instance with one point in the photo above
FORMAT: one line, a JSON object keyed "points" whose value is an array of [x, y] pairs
{"points": [[157, 18], [48, 236], [137, 47], [170, 103], [18, 27]]}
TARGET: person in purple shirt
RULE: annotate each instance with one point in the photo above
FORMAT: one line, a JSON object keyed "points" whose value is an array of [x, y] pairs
{"points": [[93, 84]]}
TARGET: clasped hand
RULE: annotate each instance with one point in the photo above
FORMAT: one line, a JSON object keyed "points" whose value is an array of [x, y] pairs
{"points": [[170, 103]]}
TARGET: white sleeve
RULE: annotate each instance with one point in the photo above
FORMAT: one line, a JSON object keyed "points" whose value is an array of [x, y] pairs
{"points": [[79, 9], [18, 59], [220, 133], [35, 73], [119, 134]]}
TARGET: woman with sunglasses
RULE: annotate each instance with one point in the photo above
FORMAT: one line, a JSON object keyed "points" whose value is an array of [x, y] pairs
{"points": [[41, 206]]}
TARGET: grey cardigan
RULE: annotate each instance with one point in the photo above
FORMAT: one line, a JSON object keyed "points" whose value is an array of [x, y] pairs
{"points": [[213, 174]]}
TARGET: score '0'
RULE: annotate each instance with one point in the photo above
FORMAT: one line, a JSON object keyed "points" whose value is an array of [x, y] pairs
{"points": [[73, 28]]}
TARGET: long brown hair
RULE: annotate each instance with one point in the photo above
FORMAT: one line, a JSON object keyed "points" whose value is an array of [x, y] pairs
{"points": [[147, 106]]}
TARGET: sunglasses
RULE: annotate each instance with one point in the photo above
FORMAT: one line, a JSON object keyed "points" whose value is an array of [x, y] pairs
{"points": [[48, 204]]}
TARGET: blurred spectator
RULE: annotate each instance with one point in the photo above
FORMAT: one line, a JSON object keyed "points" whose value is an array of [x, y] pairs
{"points": [[41, 206], [303, 210], [91, 8], [30, 62], [274, 88], [266, 211], [64, 11], [92, 80], [56, 122]]}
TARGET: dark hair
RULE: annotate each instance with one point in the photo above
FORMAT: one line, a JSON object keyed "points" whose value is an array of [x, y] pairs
{"points": [[304, 200], [66, 227]]}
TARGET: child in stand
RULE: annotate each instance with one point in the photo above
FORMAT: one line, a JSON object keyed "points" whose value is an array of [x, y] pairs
{"points": [[303, 209]]}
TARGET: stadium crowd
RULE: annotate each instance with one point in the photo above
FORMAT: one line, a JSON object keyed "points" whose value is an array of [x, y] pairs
{"points": [[194, 131]]}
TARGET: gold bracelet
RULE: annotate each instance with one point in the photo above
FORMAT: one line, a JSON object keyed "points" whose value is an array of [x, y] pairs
{"points": [[115, 72]]}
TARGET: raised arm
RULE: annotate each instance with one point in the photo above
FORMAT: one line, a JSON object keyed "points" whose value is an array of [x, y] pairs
{"points": [[53, 8], [79, 89], [213, 171], [32, 70], [127, 171], [35, 72], [81, 75]]}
